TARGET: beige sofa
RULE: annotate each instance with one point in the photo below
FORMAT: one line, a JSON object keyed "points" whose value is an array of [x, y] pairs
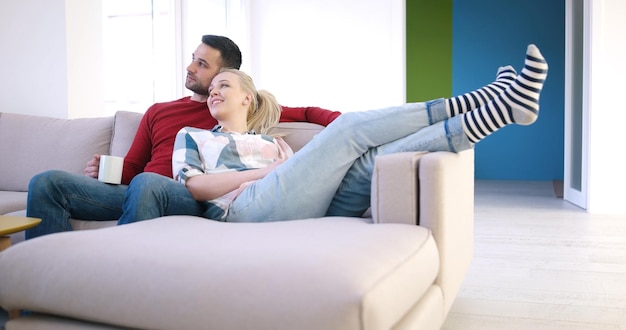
{"points": [[398, 268]]}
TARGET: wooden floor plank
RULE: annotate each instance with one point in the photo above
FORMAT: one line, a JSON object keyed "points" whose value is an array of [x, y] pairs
{"points": [[541, 263]]}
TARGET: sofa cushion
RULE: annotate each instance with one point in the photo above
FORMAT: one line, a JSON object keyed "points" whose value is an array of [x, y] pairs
{"points": [[124, 129], [48, 322], [64, 144], [327, 273], [11, 201], [90, 224], [297, 134]]}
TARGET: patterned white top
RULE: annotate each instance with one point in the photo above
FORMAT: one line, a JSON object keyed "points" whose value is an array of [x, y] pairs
{"points": [[199, 151]]}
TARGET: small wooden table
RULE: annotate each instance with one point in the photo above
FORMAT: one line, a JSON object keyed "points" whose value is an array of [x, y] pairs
{"points": [[10, 225], [13, 224]]}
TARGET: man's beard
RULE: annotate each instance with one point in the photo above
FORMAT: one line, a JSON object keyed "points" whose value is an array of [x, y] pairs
{"points": [[198, 89]]}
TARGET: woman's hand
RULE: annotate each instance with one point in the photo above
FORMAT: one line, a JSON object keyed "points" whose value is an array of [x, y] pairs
{"points": [[93, 166], [266, 170]]}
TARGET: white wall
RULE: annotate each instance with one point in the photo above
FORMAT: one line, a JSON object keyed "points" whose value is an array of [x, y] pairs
{"points": [[343, 55], [607, 115], [48, 63], [32, 63], [85, 78]]}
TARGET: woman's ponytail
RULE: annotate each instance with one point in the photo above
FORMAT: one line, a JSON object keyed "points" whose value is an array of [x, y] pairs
{"points": [[264, 112]]}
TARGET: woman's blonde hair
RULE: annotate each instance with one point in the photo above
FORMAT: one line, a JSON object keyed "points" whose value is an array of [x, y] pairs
{"points": [[264, 111]]}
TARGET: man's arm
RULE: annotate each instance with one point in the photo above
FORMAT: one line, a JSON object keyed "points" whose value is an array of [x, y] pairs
{"points": [[314, 115]]}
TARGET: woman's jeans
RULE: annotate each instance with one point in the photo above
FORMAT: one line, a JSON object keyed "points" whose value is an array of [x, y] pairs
{"points": [[318, 179]]}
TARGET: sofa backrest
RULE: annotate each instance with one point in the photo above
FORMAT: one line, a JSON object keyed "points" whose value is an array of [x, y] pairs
{"points": [[124, 129], [32, 144], [297, 134]]}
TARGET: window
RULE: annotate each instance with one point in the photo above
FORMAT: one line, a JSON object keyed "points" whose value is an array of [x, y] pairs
{"points": [[148, 44]]}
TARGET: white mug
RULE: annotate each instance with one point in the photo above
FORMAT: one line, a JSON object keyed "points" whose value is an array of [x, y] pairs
{"points": [[111, 169]]}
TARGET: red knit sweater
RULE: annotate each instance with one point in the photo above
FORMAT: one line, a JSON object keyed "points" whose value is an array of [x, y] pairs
{"points": [[152, 147]]}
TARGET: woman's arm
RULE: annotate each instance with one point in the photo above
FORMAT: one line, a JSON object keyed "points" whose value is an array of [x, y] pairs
{"points": [[211, 186], [188, 168]]}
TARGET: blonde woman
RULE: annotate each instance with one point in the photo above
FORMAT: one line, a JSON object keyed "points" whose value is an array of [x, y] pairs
{"points": [[245, 175]]}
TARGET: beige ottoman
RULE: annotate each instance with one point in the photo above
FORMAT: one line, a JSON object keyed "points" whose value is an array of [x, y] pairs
{"points": [[185, 272]]}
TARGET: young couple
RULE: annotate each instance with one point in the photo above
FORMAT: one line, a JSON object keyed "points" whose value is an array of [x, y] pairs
{"points": [[245, 175], [56, 196], [236, 172]]}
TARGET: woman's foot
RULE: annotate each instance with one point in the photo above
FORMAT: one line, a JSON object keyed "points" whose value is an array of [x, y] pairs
{"points": [[518, 103], [524, 92]]}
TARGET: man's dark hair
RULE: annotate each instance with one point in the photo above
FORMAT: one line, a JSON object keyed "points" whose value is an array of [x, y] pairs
{"points": [[231, 55]]}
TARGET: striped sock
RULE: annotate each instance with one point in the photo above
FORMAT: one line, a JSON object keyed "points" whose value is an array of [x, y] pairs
{"points": [[519, 103], [473, 100]]}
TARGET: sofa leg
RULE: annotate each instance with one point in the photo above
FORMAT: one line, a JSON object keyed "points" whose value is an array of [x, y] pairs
{"points": [[14, 313], [5, 242]]}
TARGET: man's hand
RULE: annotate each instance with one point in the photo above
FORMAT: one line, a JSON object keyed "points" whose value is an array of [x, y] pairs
{"points": [[93, 166]]}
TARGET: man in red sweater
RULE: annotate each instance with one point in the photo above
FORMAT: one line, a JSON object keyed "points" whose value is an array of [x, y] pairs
{"points": [[56, 196]]}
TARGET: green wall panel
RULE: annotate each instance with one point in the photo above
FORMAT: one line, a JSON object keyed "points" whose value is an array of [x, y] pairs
{"points": [[428, 49]]}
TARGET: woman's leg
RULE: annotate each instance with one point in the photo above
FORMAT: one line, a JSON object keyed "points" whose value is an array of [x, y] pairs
{"points": [[352, 197], [304, 185], [429, 112], [519, 103]]}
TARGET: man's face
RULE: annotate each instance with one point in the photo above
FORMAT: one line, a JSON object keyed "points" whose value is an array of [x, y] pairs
{"points": [[206, 63]]}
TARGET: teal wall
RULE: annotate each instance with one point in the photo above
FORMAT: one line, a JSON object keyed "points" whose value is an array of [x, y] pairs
{"points": [[454, 46], [490, 33]]}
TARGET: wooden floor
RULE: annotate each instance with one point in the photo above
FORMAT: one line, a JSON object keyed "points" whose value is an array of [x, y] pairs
{"points": [[541, 263]]}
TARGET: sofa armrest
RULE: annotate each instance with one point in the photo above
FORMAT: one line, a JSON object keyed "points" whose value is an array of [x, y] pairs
{"points": [[448, 211], [395, 191], [434, 190]]}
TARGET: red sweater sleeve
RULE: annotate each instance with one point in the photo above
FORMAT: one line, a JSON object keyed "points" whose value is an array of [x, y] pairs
{"points": [[315, 115]]}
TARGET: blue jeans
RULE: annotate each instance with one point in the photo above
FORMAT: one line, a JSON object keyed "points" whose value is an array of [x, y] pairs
{"points": [[319, 179], [353, 197], [152, 195], [56, 196]]}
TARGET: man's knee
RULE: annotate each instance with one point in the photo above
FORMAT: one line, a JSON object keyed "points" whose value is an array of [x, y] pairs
{"points": [[149, 180], [151, 184], [43, 181]]}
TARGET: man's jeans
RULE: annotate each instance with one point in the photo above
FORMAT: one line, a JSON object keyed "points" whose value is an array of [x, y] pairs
{"points": [[56, 196]]}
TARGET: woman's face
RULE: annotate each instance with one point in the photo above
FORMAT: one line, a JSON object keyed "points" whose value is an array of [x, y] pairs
{"points": [[226, 96]]}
